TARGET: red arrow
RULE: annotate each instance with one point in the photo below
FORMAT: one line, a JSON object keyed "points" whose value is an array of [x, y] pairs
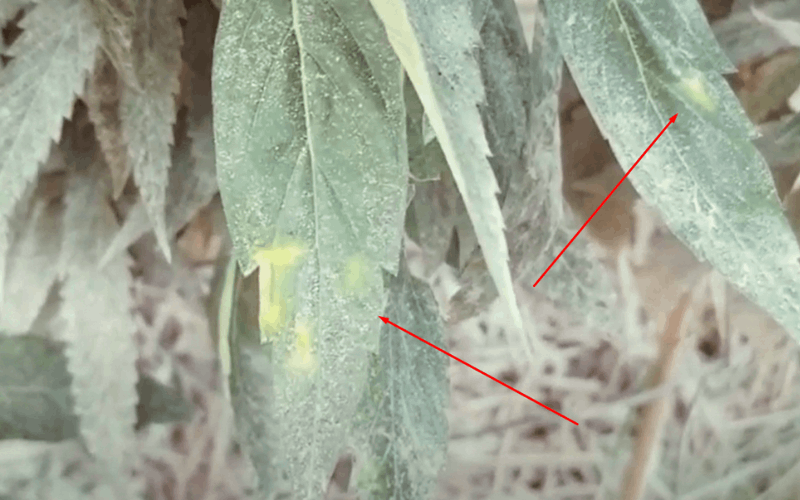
{"points": [[386, 320], [671, 121]]}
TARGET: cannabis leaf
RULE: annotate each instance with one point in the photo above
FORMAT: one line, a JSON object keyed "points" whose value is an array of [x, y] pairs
{"points": [[251, 383], [37, 89], [35, 387], [435, 43], [147, 108], [101, 352], [636, 64], [103, 98], [578, 280], [312, 168], [401, 429], [34, 383], [192, 185], [32, 263]]}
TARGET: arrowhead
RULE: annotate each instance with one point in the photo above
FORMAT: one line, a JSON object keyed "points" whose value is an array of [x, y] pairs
{"points": [[384, 319], [672, 120]]}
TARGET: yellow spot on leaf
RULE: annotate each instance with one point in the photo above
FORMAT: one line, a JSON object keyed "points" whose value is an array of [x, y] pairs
{"points": [[274, 265], [355, 277], [696, 88], [302, 358]]}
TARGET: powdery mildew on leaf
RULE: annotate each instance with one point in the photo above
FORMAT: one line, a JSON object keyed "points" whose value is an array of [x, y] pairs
{"points": [[310, 143], [42, 470], [192, 185], [577, 280], [435, 42], [638, 63], [37, 88], [99, 328], [32, 264], [400, 433], [148, 105], [103, 98], [521, 117], [35, 384]]}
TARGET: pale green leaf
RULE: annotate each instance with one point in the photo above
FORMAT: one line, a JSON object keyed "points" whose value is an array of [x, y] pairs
{"points": [[38, 470], [251, 382], [577, 281], [401, 431], [32, 265], [636, 65], [37, 89], [435, 42], [312, 168], [98, 325], [35, 400], [103, 96], [192, 185], [147, 108]]}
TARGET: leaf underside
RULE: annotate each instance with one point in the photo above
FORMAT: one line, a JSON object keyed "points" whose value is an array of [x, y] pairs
{"points": [[310, 142], [638, 63]]}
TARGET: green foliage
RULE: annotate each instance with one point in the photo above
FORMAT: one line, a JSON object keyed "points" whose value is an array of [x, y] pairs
{"points": [[313, 182], [434, 41], [38, 87], [400, 427], [331, 127], [637, 64], [37, 403], [100, 352]]}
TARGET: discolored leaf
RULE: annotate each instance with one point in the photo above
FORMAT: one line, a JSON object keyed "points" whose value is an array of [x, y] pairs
{"points": [[32, 262], [34, 381], [37, 404], [400, 433], [435, 42], [311, 155], [148, 109], [103, 98], [192, 185], [98, 326], [636, 65], [37, 88]]}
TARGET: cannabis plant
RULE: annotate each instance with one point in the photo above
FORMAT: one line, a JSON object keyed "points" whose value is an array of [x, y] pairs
{"points": [[339, 134]]}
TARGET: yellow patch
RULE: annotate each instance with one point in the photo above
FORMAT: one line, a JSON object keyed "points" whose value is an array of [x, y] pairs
{"points": [[274, 264], [302, 358], [355, 277], [695, 87]]}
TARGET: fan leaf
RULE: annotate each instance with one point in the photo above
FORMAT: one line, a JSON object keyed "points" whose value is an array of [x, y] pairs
{"points": [[401, 429], [312, 168], [435, 42], [51, 60], [637, 64]]}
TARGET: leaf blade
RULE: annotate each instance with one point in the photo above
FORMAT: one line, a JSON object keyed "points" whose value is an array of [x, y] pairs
{"points": [[401, 429], [310, 154], [730, 218], [38, 87], [434, 43]]}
